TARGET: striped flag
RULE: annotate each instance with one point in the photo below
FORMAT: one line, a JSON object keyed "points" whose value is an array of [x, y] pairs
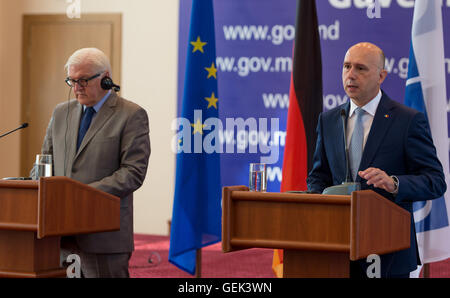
{"points": [[426, 92], [305, 105]]}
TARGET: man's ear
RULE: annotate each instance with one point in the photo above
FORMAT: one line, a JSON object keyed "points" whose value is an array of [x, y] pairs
{"points": [[383, 75]]}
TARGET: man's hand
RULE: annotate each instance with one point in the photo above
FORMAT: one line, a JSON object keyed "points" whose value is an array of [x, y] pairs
{"points": [[378, 178]]}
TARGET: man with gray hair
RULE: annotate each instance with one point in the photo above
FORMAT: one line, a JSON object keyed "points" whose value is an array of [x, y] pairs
{"points": [[102, 140]]}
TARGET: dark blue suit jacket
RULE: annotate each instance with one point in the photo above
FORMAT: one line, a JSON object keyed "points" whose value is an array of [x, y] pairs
{"points": [[400, 144]]}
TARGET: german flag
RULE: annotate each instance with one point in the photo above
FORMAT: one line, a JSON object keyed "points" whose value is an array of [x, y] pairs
{"points": [[305, 105]]}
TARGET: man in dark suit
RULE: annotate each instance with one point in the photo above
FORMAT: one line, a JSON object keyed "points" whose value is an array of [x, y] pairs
{"points": [[102, 140], [390, 145]]}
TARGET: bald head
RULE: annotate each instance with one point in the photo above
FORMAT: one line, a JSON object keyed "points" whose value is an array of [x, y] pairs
{"points": [[363, 72], [373, 50]]}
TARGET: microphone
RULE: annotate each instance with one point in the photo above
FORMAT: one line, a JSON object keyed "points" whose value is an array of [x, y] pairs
{"points": [[24, 125], [347, 187], [347, 159]]}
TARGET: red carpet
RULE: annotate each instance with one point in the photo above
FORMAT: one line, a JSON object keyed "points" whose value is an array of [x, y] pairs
{"points": [[251, 263], [255, 263]]}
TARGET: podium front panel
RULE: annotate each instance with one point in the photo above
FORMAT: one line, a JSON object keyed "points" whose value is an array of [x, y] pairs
{"points": [[18, 205], [286, 221]]}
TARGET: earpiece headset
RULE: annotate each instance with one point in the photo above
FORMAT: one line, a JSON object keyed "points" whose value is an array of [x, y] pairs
{"points": [[107, 84]]}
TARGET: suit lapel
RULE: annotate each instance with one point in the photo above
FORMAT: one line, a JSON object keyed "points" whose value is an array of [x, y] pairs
{"points": [[98, 121], [380, 126], [70, 140], [340, 146]]}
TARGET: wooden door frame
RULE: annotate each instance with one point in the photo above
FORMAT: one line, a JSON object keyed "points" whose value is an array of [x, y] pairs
{"points": [[114, 19]]}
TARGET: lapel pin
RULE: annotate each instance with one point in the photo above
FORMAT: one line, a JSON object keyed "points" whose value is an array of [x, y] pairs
{"points": [[386, 116]]}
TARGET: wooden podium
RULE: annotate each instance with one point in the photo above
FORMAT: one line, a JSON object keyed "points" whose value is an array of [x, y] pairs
{"points": [[35, 214], [319, 234]]}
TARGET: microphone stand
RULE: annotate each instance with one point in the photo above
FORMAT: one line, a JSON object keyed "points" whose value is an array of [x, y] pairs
{"points": [[347, 187], [24, 125]]}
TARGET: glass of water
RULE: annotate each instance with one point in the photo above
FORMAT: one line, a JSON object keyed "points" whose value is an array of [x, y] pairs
{"points": [[43, 166], [258, 177]]}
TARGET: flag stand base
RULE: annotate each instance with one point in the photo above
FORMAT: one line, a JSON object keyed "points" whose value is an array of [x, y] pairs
{"points": [[198, 264]]}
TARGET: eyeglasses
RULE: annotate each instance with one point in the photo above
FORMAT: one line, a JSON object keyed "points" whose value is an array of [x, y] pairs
{"points": [[81, 82]]}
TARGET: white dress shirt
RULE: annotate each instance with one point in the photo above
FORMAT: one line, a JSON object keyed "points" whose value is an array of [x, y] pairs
{"points": [[367, 118]]}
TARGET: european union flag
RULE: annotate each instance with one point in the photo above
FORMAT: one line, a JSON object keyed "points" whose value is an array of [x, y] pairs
{"points": [[196, 219]]}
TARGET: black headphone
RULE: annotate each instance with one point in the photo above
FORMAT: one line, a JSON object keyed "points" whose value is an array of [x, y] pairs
{"points": [[107, 84]]}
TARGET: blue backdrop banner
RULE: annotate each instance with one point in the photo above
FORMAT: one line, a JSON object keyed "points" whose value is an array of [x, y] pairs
{"points": [[254, 42]]}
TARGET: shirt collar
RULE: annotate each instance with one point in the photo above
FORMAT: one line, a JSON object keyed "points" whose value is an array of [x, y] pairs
{"points": [[99, 104], [370, 107]]}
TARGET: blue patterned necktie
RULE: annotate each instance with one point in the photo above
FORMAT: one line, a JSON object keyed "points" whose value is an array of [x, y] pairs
{"points": [[84, 125], [356, 143]]}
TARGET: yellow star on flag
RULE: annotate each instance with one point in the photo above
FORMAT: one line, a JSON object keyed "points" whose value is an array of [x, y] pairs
{"points": [[198, 45], [212, 101], [198, 127], [211, 71]]}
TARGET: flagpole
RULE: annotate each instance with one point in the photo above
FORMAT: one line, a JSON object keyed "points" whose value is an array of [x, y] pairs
{"points": [[426, 270], [198, 263]]}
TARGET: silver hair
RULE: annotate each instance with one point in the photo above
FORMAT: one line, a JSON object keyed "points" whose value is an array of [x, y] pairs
{"points": [[92, 56]]}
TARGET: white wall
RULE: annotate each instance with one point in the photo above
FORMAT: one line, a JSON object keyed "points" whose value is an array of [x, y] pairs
{"points": [[149, 67]]}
